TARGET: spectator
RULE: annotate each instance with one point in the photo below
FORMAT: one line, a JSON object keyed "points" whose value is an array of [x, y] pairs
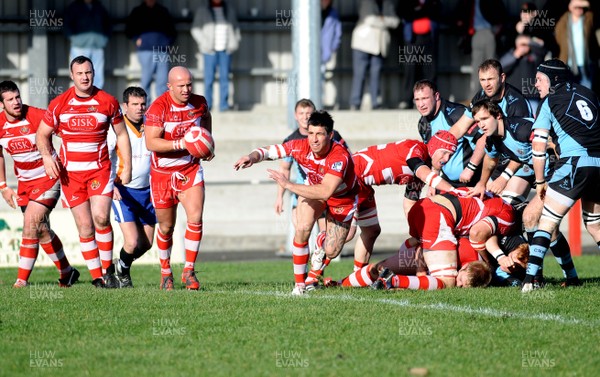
{"points": [[420, 34], [152, 29], [577, 41], [87, 25], [217, 33], [482, 21], [331, 37], [370, 42], [520, 62]]}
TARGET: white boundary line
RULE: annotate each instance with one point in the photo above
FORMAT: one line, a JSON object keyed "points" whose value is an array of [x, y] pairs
{"points": [[439, 306]]}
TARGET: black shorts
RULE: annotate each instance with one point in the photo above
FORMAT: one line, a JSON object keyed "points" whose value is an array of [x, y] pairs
{"points": [[576, 178]]}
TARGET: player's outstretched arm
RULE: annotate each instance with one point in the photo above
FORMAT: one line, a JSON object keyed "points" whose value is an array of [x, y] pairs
{"points": [[432, 179], [43, 141], [489, 164]]}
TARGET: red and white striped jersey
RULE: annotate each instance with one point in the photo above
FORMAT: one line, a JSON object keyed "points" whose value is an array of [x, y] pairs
{"points": [[83, 123], [474, 209], [386, 164], [337, 162], [18, 139], [175, 120]]}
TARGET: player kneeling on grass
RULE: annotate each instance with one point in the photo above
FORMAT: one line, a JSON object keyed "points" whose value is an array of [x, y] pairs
{"points": [[331, 186]]}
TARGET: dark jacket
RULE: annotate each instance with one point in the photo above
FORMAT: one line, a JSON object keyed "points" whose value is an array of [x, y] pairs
{"points": [[154, 26]]}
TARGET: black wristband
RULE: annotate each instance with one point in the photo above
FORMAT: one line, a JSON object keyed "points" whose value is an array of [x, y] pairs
{"points": [[471, 166]]}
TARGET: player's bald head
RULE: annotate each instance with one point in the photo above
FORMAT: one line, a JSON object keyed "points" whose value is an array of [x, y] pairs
{"points": [[179, 73]]}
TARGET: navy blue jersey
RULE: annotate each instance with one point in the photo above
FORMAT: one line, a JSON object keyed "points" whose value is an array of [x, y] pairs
{"points": [[448, 114], [515, 144], [513, 103], [571, 114]]}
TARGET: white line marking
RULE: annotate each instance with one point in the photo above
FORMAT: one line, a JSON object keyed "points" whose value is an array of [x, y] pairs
{"points": [[489, 312]]}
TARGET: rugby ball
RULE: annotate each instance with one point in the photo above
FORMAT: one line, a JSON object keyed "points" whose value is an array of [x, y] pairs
{"points": [[199, 142]]}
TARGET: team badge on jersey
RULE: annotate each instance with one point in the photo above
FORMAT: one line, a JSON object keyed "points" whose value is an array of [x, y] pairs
{"points": [[337, 166], [95, 184], [338, 210], [190, 115], [92, 109], [24, 130]]}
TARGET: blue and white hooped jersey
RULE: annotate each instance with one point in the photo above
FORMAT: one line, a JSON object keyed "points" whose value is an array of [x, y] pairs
{"points": [[570, 113]]}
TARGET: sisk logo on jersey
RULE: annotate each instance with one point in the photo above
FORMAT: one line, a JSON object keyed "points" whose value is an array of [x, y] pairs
{"points": [[337, 166]]}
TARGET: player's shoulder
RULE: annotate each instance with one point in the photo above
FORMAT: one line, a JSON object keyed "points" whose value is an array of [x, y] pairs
{"points": [[33, 111], [104, 97], [295, 135], [160, 104], [513, 93], [197, 99], [337, 149], [479, 96], [62, 99]]}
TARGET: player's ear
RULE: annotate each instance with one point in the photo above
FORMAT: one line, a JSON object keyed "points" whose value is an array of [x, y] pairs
{"points": [[437, 96]]}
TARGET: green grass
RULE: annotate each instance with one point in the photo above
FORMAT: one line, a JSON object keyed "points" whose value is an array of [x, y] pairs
{"points": [[243, 322]]}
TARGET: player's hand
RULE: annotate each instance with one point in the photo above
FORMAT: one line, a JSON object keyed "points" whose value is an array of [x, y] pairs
{"points": [[430, 192], [478, 191], [541, 190], [117, 194], [10, 197], [278, 177], [466, 175], [497, 185], [243, 163], [125, 176], [51, 166], [279, 205], [209, 157], [506, 264]]}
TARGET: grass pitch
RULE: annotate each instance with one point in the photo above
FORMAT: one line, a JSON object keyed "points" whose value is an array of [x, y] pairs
{"points": [[243, 322]]}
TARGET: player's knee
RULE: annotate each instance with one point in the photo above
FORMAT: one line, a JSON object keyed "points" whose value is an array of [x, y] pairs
{"points": [[370, 233], [101, 220], [130, 244], [479, 233], [592, 222], [531, 217]]}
